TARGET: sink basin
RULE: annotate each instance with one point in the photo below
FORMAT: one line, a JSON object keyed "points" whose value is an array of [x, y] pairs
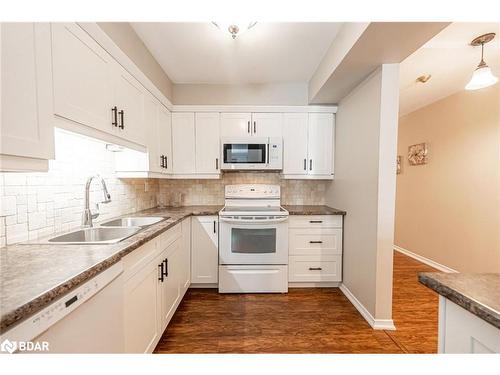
{"points": [[134, 221], [98, 235]]}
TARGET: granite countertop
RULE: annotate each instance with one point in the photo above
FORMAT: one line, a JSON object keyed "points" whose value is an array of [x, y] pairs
{"points": [[34, 275], [312, 210], [477, 293]]}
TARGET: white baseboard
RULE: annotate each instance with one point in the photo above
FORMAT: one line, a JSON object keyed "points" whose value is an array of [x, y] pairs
{"points": [[425, 260], [204, 286], [324, 284], [385, 324]]}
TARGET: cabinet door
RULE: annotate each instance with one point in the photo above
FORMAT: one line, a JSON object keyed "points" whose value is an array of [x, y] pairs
{"points": [[183, 143], [185, 278], [207, 143], [141, 310], [204, 249], [267, 124], [83, 74], [320, 143], [171, 292], [295, 143], [26, 86], [165, 138], [235, 124], [128, 96], [151, 125]]}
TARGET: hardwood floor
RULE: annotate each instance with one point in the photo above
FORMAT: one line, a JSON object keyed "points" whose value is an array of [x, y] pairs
{"points": [[303, 321]]}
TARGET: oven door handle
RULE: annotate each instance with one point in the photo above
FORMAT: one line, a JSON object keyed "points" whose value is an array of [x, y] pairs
{"points": [[253, 221]]}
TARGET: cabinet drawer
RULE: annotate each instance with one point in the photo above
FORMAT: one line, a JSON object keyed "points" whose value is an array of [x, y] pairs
{"points": [[168, 237], [138, 258], [315, 241], [315, 268], [315, 221]]}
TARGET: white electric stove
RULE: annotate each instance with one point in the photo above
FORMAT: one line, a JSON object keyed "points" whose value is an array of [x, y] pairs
{"points": [[253, 240]]}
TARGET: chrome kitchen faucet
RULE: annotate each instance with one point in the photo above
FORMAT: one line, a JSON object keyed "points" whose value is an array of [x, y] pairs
{"points": [[87, 214]]}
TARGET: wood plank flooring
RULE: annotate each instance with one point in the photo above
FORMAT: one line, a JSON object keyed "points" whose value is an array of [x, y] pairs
{"points": [[303, 321]]}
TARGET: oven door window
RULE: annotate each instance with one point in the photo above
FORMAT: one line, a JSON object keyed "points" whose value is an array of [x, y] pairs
{"points": [[235, 153], [253, 241]]}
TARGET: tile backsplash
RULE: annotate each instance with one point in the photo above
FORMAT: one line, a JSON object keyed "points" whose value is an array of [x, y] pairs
{"points": [[192, 192], [34, 205]]}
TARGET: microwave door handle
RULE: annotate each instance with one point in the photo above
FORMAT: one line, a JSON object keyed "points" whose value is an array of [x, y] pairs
{"points": [[267, 154]]}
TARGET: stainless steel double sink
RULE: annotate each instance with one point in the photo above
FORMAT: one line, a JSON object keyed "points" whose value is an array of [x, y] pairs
{"points": [[109, 232]]}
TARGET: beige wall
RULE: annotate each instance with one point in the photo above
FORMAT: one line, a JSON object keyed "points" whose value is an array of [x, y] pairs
{"points": [[129, 42], [449, 209], [249, 94], [364, 186]]}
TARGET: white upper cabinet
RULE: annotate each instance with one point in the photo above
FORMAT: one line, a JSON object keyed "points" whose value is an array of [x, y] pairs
{"points": [[83, 78], [235, 124], [267, 124], [320, 143], [251, 124], [308, 143], [295, 143], [164, 140], [207, 143], [183, 145], [26, 123], [151, 123], [128, 97]]}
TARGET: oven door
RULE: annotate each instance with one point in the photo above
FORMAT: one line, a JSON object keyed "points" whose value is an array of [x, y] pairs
{"points": [[253, 241]]}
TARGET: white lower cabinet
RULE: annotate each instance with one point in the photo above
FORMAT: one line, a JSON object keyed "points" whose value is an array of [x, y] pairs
{"points": [[156, 278], [204, 249], [315, 249]]}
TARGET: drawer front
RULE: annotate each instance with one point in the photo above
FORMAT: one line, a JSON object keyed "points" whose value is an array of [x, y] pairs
{"points": [[315, 241], [138, 258], [168, 237], [315, 268], [315, 221]]}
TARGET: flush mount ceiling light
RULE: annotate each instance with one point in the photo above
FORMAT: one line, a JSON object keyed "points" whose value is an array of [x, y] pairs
{"points": [[235, 28], [424, 78], [482, 76]]}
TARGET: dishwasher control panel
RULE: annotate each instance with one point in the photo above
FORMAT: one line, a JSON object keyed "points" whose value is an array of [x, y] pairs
{"points": [[44, 319]]}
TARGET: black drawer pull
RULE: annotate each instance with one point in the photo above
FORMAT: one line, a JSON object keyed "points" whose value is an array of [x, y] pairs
{"points": [[315, 221], [162, 161], [165, 272], [122, 124], [315, 268], [161, 272], [315, 241], [114, 111], [215, 226]]}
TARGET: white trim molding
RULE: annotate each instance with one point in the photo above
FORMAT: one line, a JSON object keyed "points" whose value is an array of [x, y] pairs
{"points": [[425, 260], [255, 108], [385, 324]]}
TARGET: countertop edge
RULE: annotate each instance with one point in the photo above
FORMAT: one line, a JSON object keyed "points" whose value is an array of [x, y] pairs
{"points": [[306, 210], [466, 302], [23, 312]]}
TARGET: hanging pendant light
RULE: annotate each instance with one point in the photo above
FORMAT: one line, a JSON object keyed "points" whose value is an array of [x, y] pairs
{"points": [[482, 76]]}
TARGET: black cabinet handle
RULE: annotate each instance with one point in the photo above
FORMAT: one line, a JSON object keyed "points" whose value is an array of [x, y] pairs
{"points": [[310, 164], [315, 221], [248, 127], [305, 164], [315, 241], [165, 272], [166, 162], [254, 127], [122, 120], [114, 112], [161, 272], [215, 224], [217, 163], [315, 268], [162, 161]]}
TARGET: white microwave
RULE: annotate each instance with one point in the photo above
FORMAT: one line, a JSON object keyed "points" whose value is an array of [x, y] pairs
{"points": [[252, 153]]}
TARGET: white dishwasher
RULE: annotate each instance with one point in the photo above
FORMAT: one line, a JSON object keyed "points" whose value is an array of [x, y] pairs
{"points": [[89, 319]]}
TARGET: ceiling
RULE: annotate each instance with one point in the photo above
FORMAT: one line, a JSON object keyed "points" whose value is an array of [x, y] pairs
{"points": [[199, 53], [450, 60]]}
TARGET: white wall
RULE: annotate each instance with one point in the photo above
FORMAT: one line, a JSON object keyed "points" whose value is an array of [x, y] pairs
{"points": [[364, 186]]}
